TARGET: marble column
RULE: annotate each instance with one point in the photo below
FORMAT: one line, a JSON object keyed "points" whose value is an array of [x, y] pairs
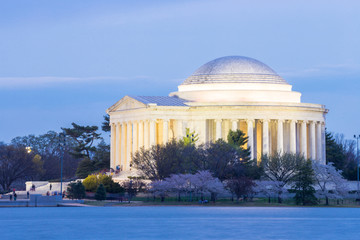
{"points": [[250, 133], [292, 136], [318, 142], [141, 134], [128, 144], [303, 143], [265, 142], [146, 134], [280, 136], [123, 146], [234, 124], [135, 137], [152, 132], [118, 144], [165, 131], [180, 129], [218, 133], [113, 145], [312, 141], [202, 135]]}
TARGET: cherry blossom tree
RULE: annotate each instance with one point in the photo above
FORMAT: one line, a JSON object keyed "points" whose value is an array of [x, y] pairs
{"points": [[205, 183], [201, 183], [179, 183], [330, 183], [270, 189], [160, 188]]}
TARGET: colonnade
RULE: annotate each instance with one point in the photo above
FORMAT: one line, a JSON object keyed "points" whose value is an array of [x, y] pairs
{"points": [[265, 136]]}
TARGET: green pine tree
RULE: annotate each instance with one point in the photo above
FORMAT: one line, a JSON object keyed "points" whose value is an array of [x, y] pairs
{"points": [[303, 188], [86, 167], [76, 190], [100, 194], [190, 138], [238, 139]]}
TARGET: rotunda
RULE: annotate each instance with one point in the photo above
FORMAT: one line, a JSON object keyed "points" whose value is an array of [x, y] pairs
{"points": [[231, 92]]}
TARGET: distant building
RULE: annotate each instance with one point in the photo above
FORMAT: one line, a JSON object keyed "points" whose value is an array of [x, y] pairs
{"points": [[227, 93]]}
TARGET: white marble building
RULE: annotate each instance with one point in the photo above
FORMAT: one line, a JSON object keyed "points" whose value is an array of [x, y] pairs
{"points": [[226, 93]]}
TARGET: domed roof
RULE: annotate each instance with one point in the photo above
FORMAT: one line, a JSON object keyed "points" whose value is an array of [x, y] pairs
{"points": [[234, 69]]}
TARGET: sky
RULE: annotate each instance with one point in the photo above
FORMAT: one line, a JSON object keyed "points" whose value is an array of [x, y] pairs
{"points": [[65, 61]]}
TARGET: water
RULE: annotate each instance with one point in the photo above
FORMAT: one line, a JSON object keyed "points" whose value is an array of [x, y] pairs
{"points": [[180, 223]]}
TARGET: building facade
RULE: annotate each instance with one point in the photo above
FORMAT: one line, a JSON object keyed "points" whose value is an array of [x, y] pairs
{"points": [[227, 93]]}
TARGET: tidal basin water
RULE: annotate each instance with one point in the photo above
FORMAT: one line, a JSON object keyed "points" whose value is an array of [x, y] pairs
{"points": [[179, 223]]}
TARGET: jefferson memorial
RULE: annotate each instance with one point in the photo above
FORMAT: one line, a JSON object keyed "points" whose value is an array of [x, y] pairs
{"points": [[231, 92]]}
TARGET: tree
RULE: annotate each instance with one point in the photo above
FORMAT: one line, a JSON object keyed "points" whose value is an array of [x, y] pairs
{"points": [[132, 187], [238, 139], [190, 138], [47, 146], [334, 152], [15, 164], [325, 175], [241, 187], [38, 166], [303, 181], [270, 189], [84, 136], [86, 167], [102, 156], [76, 190], [221, 158], [106, 123], [161, 161], [204, 182], [160, 188], [100, 194], [349, 151], [179, 183], [281, 168]]}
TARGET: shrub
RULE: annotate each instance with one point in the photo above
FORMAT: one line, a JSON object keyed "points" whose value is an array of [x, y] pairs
{"points": [[91, 183], [76, 190], [100, 194]]}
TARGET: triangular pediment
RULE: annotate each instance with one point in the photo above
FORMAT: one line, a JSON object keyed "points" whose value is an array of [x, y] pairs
{"points": [[126, 103]]}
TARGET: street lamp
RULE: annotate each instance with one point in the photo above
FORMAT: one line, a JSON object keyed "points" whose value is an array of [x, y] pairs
{"points": [[357, 157], [62, 146], [28, 149]]}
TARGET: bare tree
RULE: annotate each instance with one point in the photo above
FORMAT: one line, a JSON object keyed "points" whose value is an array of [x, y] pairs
{"points": [[281, 168], [241, 187], [15, 163]]}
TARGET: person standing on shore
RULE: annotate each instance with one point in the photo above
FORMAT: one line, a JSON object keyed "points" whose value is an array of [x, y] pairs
{"points": [[50, 186]]}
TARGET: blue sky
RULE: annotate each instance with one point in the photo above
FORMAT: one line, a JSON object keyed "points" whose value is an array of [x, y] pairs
{"points": [[64, 61]]}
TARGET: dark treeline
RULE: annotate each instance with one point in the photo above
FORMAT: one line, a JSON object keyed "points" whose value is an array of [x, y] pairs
{"points": [[342, 153], [225, 160], [38, 158]]}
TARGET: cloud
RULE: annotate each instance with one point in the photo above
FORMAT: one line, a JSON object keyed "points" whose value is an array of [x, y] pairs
{"points": [[15, 82], [324, 70]]}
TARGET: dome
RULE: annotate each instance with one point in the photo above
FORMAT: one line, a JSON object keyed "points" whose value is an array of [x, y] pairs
{"points": [[234, 69]]}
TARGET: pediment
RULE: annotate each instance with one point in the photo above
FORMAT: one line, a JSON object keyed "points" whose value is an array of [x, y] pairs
{"points": [[126, 103]]}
